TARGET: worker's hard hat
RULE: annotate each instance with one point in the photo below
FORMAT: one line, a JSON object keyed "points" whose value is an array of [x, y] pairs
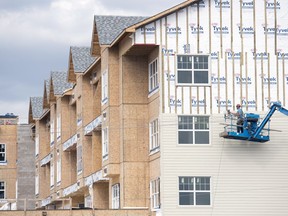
{"points": [[238, 105]]}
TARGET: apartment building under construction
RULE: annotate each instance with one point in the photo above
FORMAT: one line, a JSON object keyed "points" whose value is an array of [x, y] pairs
{"points": [[134, 122]]}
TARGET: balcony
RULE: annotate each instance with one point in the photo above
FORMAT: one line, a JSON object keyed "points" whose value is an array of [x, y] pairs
{"points": [[46, 160], [95, 177], [70, 143], [93, 126]]}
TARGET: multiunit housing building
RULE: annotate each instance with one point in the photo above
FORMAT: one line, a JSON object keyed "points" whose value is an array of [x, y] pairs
{"points": [[134, 122]]}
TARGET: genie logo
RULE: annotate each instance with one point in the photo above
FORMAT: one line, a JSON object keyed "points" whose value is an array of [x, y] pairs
{"points": [[217, 29], [148, 30], [196, 103], [262, 55], [243, 80], [169, 77], [247, 5], [246, 30], [173, 30], [223, 4], [167, 51], [249, 103], [282, 55], [200, 3], [279, 31], [271, 80], [215, 79], [272, 5], [234, 55], [223, 103], [214, 55], [196, 30], [173, 102]]}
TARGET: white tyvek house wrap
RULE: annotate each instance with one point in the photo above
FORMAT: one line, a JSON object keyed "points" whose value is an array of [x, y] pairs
{"points": [[234, 77]]}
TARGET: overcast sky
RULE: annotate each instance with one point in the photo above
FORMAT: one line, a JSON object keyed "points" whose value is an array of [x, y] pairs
{"points": [[35, 36]]}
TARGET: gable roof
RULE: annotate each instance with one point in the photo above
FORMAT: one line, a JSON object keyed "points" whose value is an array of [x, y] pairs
{"points": [[110, 27], [35, 108], [80, 60], [59, 83]]}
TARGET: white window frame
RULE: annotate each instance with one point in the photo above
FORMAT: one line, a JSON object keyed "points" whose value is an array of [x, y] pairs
{"points": [[192, 70], [155, 194], [52, 133], [79, 158], [3, 152], [194, 189], [153, 76], [194, 130], [37, 145], [116, 196], [105, 143], [3, 184], [52, 181], [58, 167], [37, 184], [58, 123], [104, 80], [154, 136]]}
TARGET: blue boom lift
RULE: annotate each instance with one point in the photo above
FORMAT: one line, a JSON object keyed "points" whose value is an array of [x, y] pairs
{"points": [[252, 127]]}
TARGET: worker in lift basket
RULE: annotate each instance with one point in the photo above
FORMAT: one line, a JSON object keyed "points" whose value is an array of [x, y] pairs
{"points": [[240, 118]]}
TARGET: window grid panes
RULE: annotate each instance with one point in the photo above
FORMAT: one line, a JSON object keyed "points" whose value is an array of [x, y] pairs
{"points": [[154, 135], [105, 144], [105, 86], [2, 153], [153, 75], [193, 130], [2, 190], [193, 69], [194, 191], [155, 193], [116, 196]]}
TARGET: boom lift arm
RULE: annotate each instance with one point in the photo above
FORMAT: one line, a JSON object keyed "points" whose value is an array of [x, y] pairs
{"points": [[252, 129]]}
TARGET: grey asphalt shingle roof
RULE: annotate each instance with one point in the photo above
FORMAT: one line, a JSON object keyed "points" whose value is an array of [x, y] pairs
{"points": [[37, 106], [60, 84], [81, 57], [109, 27], [47, 85]]}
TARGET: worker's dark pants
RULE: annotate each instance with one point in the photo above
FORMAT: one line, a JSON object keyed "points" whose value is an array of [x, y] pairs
{"points": [[239, 126]]}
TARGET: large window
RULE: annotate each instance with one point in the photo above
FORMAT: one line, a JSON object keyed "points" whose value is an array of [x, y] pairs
{"points": [[79, 158], [58, 125], [52, 133], [105, 144], [153, 75], [51, 175], [154, 136], [193, 129], [37, 184], [116, 196], [37, 145], [194, 191], [2, 153], [104, 86], [2, 190], [58, 177], [155, 193], [193, 69]]}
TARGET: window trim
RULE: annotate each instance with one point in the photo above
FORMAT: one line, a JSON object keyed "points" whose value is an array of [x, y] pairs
{"points": [[3, 189], [155, 149], [154, 76], [194, 84], [104, 88], [195, 191], [195, 144], [156, 195], [105, 154], [4, 162], [115, 200]]}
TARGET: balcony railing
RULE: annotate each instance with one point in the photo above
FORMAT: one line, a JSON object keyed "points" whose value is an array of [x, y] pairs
{"points": [[70, 143], [93, 126], [46, 160], [95, 177]]}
